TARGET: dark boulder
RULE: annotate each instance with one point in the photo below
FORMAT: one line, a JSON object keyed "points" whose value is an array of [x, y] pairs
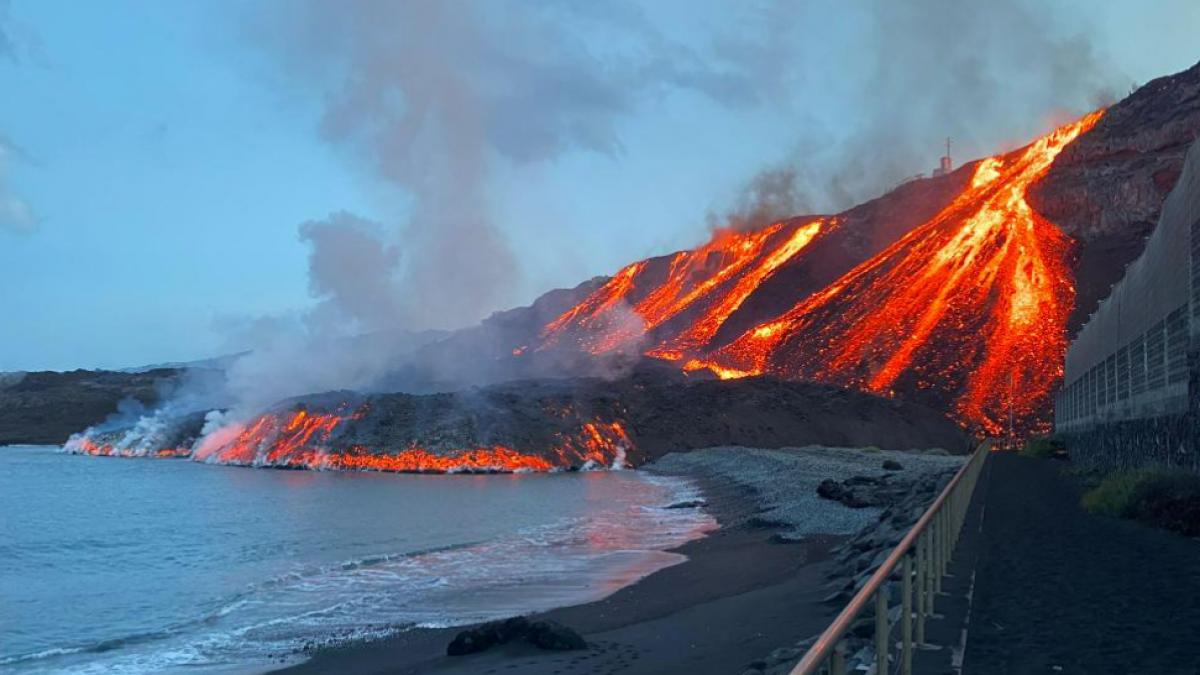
{"points": [[892, 465], [554, 636], [542, 634], [831, 489], [857, 492], [487, 635]]}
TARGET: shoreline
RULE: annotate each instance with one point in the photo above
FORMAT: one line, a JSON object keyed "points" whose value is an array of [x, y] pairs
{"points": [[774, 573], [745, 590]]}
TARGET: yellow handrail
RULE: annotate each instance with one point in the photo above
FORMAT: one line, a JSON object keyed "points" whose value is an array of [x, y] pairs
{"points": [[933, 537]]}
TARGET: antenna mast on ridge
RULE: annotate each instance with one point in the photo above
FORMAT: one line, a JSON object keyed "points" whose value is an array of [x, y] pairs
{"points": [[945, 165]]}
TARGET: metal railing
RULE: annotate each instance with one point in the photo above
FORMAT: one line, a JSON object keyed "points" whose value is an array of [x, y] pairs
{"points": [[921, 557]]}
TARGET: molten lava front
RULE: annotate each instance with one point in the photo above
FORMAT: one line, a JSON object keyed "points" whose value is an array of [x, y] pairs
{"points": [[304, 439], [966, 312], [333, 438]]}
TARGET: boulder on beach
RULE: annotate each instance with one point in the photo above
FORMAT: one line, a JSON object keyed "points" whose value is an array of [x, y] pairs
{"points": [[542, 634]]}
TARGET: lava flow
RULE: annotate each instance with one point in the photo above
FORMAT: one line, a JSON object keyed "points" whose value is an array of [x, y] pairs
{"points": [[83, 445], [966, 312], [703, 287], [971, 306], [304, 439]]}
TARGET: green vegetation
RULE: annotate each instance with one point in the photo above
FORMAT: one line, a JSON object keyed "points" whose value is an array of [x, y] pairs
{"points": [[1167, 498], [1044, 447]]}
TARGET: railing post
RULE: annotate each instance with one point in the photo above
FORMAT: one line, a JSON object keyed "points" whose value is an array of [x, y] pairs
{"points": [[837, 662], [953, 516], [945, 544], [922, 573], [951, 538], [939, 551], [906, 645], [881, 630]]}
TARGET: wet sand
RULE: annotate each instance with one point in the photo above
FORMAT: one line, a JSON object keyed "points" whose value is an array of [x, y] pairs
{"points": [[747, 589], [739, 595]]}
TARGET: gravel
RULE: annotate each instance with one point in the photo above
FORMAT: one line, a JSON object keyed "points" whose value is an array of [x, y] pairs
{"points": [[786, 481]]}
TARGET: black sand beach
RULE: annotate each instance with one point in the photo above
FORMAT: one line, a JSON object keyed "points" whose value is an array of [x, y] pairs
{"points": [[738, 596], [744, 592]]}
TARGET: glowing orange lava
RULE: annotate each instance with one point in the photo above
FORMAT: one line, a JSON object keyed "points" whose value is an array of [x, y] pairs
{"points": [[302, 439], [968, 310], [416, 460], [973, 303], [83, 445], [706, 284]]}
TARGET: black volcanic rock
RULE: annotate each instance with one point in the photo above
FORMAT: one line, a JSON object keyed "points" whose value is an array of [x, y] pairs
{"points": [[549, 635]]}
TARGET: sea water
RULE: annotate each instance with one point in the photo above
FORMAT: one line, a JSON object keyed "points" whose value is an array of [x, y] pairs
{"points": [[160, 565]]}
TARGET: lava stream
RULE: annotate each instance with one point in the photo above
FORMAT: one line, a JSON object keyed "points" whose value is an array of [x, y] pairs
{"points": [[705, 285], [972, 303]]}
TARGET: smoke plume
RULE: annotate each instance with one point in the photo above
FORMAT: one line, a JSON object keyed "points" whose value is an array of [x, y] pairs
{"points": [[772, 195], [429, 100], [989, 75], [430, 97]]}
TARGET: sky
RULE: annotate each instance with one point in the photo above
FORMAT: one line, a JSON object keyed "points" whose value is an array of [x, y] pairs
{"points": [[178, 177]]}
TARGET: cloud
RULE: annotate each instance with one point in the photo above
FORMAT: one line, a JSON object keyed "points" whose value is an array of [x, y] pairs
{"points": [[8, 47], [16, 215], [19, 43]]}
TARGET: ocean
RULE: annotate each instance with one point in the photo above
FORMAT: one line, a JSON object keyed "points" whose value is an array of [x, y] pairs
{"points": [[166, 565]]}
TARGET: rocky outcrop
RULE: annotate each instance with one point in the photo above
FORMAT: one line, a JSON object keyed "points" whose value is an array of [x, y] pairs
{"points": [[1107, 188], [860, 492]]}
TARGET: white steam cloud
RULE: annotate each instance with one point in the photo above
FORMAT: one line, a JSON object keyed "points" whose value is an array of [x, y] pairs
{"points": [[430, 99], [16, 215], [431, 96]]}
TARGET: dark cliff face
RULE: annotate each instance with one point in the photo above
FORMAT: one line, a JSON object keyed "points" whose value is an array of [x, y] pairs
{"points": [[47, 407], [1106, 189]]}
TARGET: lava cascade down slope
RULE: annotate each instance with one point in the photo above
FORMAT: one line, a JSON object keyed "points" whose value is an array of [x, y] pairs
{"points": [[965, 313]]}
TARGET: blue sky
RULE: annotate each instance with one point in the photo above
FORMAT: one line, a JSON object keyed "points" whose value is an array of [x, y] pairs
{"points": [[168, 151]]}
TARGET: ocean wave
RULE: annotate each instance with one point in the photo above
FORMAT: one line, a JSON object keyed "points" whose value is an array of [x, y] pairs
{"points": [[564, 560]]}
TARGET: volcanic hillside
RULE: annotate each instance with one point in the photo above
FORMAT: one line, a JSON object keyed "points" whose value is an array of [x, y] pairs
{"points": [[956, 291], [956, 294]]}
